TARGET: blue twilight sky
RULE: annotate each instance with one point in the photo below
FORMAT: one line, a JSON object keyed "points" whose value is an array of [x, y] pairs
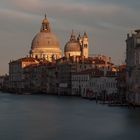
{"points": [[106, 21]]}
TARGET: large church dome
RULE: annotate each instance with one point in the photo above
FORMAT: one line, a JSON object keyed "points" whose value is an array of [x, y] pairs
{"points": [[45, 40], [45, 45]]}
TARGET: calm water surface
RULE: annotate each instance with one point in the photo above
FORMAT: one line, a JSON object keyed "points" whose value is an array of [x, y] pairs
{"points": [[27, 117]]}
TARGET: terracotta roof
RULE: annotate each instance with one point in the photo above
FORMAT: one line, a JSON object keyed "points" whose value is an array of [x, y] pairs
{"points": [[26, 59], [32, 66]]}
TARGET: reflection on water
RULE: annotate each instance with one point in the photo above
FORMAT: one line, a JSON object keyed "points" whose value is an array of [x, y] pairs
{"points": [[28, 117]]}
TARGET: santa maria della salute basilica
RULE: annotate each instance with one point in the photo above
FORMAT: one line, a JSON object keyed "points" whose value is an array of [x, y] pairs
{"points": [[46, 69], [45, 44]]}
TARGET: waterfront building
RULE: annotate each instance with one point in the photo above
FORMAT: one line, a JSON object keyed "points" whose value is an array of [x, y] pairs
{"points": [[121, 80], [1, 81], [75, 64], [80, 82], [94, 82], [4, 81], [16, 72], [40, 78], [64, 72], [133, 67]]}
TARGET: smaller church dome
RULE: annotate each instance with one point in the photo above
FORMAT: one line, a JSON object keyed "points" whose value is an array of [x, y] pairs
{"points": [[73, 45]]}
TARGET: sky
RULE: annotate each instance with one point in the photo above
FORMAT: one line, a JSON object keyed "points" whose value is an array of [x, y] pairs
{"points": [[107, 23]]}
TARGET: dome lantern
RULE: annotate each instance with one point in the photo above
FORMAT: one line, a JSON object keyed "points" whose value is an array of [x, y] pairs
{"points": [[72, 38], [45, 25]]}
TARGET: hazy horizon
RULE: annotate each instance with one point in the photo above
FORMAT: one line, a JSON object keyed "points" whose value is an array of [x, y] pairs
{"points": [[107, 23]]}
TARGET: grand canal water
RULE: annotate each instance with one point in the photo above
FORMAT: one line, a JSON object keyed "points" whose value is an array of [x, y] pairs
{"points": [[28, 117]]}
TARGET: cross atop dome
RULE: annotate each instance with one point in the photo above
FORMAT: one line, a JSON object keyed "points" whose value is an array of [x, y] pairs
{"points": [[45, 16]]}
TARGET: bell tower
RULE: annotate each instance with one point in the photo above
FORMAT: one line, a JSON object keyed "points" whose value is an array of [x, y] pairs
{"points": [[85, 45]]}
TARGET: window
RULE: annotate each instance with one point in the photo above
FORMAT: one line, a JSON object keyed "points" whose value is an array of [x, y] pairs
{"points": [[36, 56], [138, 40], [139, 57]]}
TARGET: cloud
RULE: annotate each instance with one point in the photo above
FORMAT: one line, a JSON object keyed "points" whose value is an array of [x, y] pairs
{"points": [[106, 21], [98, 14]]}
